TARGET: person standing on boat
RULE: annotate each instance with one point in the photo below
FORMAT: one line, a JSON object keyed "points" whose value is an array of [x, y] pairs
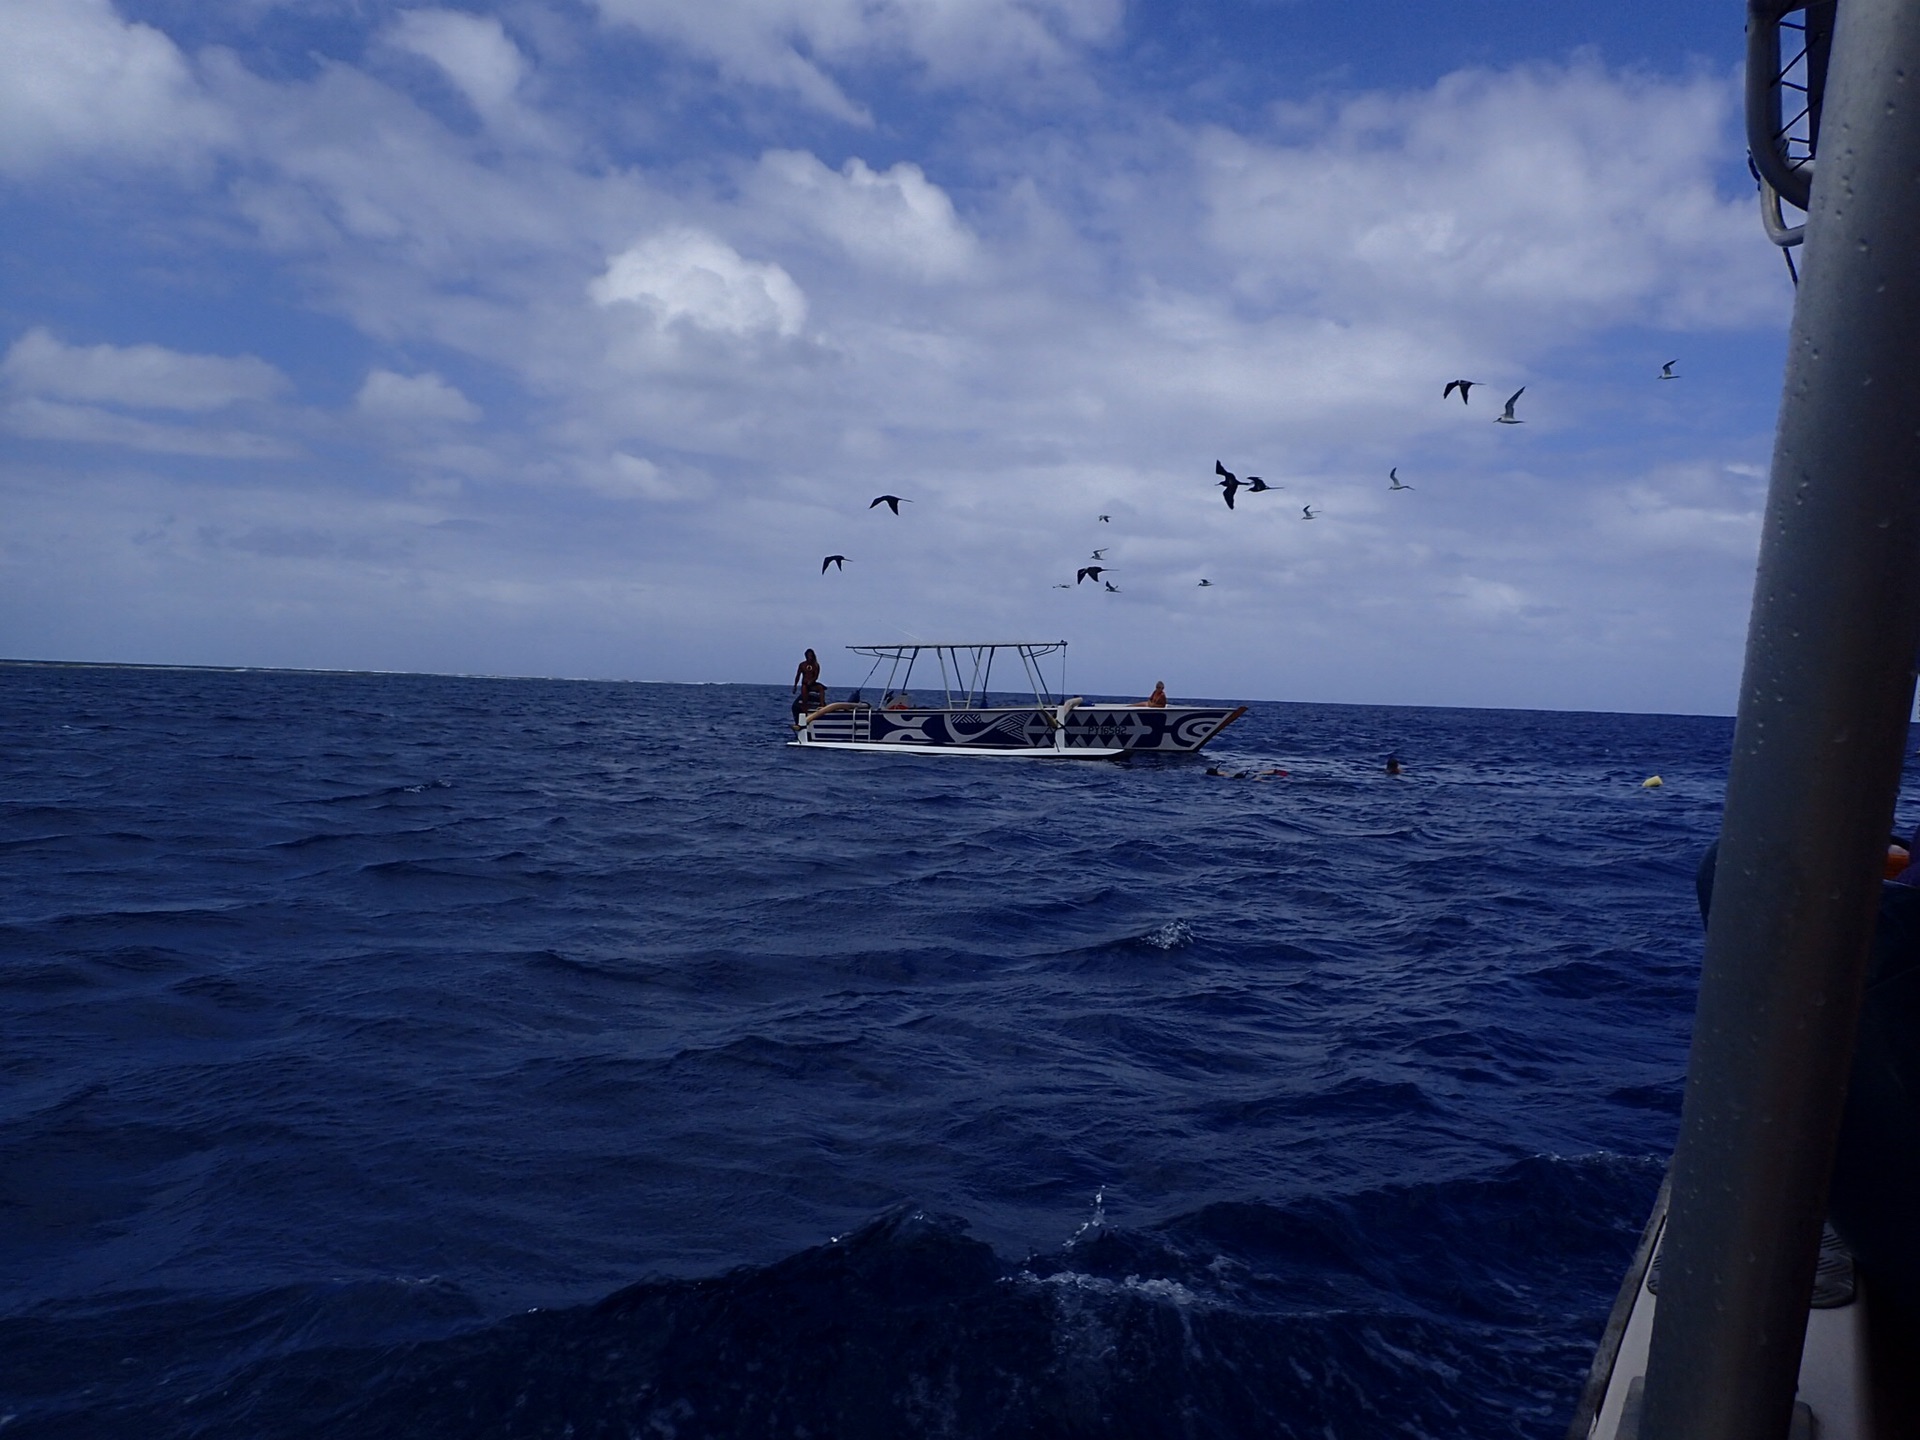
{"points": [[1157, 700], [809, 693]]}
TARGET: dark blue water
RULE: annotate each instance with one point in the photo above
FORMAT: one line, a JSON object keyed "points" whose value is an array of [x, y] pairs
{"points": [[426, 1057]]}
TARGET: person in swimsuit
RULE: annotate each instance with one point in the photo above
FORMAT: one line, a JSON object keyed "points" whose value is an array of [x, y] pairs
{"points": [[1157, 700], [808, 692]]}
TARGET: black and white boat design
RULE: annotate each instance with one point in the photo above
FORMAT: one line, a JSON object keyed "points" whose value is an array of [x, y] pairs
{"points": [[969, 719]]}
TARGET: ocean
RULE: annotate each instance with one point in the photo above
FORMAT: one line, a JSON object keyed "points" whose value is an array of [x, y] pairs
{"points": [[394, 1055]]}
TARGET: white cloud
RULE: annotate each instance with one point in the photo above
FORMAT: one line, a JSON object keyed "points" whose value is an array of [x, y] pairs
{"points": [[1490, 599], [894, 218], [349, 166], [688, 275], [37, 419], [147, 377], [1530, 197], [629, 477], [475, 53], [789, 45], [76, 81], [1686, 508], [385, 395], [473, 50]]}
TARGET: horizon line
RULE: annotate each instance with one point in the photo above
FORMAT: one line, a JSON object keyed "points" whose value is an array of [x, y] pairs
{"points": [[609, 680]]}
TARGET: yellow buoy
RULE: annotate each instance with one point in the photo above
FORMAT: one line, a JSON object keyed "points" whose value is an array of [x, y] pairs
{"points": [[1652, 782]]}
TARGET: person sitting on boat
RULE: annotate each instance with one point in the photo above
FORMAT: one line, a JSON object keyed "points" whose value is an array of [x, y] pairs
{"points": [[901, 700], [1157, 700], [809, 693]]}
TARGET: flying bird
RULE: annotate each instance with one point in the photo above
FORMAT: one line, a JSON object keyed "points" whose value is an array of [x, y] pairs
{"points": [[892, 502], [839, 562], [1106, 519], [1255, 485], [1089, 572], [1228, 485], [1462, 386], [1394, 476], [1063, 586], [1306, 513], [1666, 370], [1206, 582], [1509, 418], [1111, 587], [1099, 554]]}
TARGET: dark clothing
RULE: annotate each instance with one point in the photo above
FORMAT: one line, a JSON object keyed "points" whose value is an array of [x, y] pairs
{"points": [[1874, 1196], [1875, 1199]]}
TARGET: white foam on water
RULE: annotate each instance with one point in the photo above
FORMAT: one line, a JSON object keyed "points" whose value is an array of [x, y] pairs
{"points": [[1170, 936]]}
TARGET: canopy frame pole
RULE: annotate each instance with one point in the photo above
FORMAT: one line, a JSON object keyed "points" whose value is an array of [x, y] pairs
{"points": [[1824, 705]]}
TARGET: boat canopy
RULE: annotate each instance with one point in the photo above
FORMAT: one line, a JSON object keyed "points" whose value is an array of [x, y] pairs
{"points": [[965, 669]]}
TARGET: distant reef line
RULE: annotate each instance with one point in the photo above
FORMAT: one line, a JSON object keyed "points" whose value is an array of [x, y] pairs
{"points": [[6, 663]]}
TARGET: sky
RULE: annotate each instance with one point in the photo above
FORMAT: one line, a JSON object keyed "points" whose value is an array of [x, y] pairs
{"points": [[566, 337]]}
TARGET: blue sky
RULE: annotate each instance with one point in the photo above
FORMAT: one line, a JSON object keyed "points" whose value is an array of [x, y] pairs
{"points": [[565, 337]]}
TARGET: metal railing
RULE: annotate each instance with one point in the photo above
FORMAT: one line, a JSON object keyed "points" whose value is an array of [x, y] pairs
{"points": [[1789, 43], [1824, 699]]}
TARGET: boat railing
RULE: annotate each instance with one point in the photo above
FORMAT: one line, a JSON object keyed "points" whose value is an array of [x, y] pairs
{"points": [[966, 669], [1817, 752]]}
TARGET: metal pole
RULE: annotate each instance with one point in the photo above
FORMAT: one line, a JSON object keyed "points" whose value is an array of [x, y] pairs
{"points": [[1816, 764]]}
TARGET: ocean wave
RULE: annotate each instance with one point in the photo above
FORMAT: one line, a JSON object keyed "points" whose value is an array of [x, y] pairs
{"points": [[488, 981], [1238, 1318]]}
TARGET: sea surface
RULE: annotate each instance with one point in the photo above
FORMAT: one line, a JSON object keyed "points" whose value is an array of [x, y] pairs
{"points": [[433, 1057]]}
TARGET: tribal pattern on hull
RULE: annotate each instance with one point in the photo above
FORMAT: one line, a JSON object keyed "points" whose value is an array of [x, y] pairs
{"points": [[1173, 730]]}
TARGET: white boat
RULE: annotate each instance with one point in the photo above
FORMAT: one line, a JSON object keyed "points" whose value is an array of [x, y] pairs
{"points": [[969, 719]]}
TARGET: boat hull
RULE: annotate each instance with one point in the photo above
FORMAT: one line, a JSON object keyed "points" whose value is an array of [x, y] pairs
{"points": [[1069, 732]]}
